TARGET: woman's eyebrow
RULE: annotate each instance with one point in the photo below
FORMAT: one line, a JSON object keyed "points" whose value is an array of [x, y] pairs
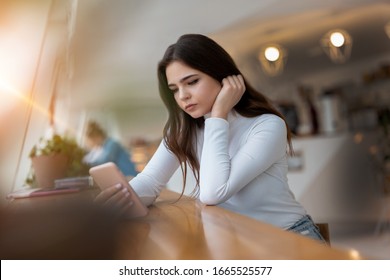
{"points": [[183, 79]]}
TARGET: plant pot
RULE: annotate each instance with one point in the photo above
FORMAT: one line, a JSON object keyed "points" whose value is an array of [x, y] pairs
{"points": [[49, 168]]}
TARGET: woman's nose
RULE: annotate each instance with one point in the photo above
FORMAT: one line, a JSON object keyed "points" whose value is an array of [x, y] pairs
{"points": [[184, 94]]}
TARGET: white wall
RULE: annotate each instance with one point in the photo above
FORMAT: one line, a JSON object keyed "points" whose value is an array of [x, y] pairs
{"points": [[142, 121]]}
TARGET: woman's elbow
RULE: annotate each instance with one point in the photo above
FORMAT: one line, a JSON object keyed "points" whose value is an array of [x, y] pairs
{"points": [[209, 199]]}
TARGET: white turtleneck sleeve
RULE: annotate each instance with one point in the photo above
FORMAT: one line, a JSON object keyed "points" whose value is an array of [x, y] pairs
{"points": [[227, 167], [156, 174]]}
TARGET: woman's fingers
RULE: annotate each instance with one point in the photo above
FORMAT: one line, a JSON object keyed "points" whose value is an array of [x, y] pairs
{"points": [[233, 80], [125, 208], [104, 195], [116, 198], [238, 82], [235, 83], [233, 87], [241, 81]]}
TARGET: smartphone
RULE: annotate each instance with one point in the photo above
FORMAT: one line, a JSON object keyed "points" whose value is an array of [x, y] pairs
{"points": [[107, 175]]}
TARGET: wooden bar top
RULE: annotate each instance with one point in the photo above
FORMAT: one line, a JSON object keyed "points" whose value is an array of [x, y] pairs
{"points": [[174, 229], [187, 229]]}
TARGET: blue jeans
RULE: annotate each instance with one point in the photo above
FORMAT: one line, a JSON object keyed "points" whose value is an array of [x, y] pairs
{"points": [[306, 227]]}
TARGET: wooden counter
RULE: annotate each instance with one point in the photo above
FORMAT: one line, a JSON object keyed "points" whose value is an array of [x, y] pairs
{"points": [[185, 229]]}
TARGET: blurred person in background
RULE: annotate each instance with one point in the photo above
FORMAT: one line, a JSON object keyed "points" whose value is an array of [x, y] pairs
{"points": [[105, 149]]}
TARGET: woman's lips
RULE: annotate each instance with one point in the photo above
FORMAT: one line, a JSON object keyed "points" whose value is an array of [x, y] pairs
{"points": [[189, 107]]}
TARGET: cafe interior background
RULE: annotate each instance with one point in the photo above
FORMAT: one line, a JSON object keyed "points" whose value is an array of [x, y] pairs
{"points": [[324, 64]]}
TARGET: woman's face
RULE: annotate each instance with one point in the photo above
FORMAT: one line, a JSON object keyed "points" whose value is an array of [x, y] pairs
{"points": [[194, 91]]}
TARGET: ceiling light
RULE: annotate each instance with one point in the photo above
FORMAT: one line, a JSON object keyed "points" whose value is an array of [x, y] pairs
{"points": [[272, 53], [337, 39], [337, 44], [272, 59]]}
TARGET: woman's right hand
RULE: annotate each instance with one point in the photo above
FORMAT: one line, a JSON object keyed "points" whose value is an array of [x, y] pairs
{"points": [[233, 87], [116, 197]]}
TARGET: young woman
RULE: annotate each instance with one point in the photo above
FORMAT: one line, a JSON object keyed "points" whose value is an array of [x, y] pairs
{"points": [[231, 137]]}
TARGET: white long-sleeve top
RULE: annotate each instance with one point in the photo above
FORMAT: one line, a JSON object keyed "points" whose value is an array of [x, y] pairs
{"points": [[243, 168]]}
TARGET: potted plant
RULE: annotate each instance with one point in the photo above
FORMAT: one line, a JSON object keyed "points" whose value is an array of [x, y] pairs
{"points": [[55, 158]]}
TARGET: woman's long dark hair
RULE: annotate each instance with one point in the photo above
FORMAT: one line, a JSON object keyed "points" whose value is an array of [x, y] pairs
{"points": [[205, 55]]}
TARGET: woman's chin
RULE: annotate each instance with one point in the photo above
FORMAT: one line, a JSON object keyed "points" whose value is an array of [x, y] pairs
{"points": [[196, 116]]}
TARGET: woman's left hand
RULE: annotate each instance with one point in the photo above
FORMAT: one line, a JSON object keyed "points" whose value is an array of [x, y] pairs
{"points": [[116, 198], [233, 87]]}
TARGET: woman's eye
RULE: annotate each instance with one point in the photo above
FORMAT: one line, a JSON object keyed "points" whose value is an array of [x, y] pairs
{"points": [[193, 82], [173, 90]]}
